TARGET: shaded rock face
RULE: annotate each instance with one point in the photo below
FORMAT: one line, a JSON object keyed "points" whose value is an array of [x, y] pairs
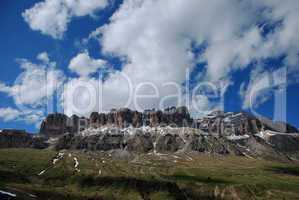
{"points": [[171, 131], [284, 143], [169, 143], [20, 139], [209, 144], [103, 142], [139, 142], [54, 125], [57, 124], [178, 140], [278, 126]]}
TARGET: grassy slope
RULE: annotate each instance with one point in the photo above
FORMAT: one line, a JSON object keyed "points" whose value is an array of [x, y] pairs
{"points": [[146, 177]]}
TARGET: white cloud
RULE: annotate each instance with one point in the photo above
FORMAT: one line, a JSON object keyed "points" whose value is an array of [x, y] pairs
{"points": [[282, 40], [51, 17], [154, 39], [35, 83], [32, 90], [8, 114], [28, 116], [43, 57], [4, 88], [84, 65]]}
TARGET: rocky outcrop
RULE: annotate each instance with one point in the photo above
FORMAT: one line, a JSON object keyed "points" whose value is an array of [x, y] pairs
{"points": [[215, 123], [171, 140], [125, 117], [10, 138], [58, 124], [240, 124], [54, 125], [169, 143], [173, 130], [140, 142]]}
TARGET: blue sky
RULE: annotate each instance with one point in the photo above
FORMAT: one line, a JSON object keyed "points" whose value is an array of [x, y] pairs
{"points": [[235, 47]]}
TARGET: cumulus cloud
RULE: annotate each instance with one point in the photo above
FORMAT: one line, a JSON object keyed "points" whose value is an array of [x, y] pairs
{"points": [[155, 41], [156, 37], [43, 57], [33, 87], [282, 39], [35, 83], [28, 116], [84, 65], [51, 17], [8, 114]]}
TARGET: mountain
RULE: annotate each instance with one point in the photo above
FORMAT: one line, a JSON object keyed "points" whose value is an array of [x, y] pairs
{"points": [[173, 130]]}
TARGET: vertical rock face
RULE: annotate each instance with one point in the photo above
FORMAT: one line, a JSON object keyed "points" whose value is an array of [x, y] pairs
{"points": [[125, 117], [57, 124], [137, 119]]}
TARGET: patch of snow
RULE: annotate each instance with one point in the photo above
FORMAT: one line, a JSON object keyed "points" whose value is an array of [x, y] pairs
{"points": [[100, 172], [42, 172], [266, 134], [161, 154], [227, 120], [189, 158], [238, 137], [155, 144], [51, 140], [59, 156], [8, 193], [55, 160], [76, 164], [248, 156], [260, 134], [32, 195], [237, 115]]}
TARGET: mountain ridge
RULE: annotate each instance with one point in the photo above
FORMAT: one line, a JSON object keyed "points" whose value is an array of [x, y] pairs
{"points": [[171, 131]]}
